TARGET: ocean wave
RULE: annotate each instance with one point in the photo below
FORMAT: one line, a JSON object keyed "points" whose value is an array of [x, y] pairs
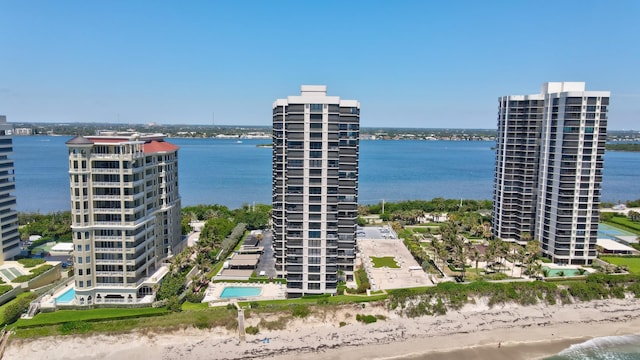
{"points": [[607, 347]]}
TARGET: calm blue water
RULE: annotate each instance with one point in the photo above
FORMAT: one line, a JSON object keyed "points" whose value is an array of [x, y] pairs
{"points": [[604, 348], [67, 297], [225, 172], [236, 292]]}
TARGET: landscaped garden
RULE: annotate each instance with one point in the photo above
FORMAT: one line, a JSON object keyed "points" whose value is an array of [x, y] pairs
{"points": [[386, 261]]}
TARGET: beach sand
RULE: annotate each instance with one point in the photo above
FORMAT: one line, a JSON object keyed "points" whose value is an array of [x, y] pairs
{"points": [[475, 331]]}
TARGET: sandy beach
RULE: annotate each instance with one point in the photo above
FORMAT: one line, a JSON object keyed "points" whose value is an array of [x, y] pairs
{"points": [[475, 331]]}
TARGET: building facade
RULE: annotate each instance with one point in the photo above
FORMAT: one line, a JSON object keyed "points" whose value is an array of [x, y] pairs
{"points": [[315, 189], [548, 174], [125, 210], [9, 236]]}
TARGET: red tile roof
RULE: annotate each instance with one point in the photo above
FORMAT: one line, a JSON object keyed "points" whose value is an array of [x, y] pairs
{"points": [[158, 146]]}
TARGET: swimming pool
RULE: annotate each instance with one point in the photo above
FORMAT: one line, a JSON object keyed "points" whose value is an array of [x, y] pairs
{"points": [[231, 292], [557, 272], [67, 297]]}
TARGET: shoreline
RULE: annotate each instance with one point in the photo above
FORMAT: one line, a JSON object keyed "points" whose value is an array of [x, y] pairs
{"points": [[475, 331]]}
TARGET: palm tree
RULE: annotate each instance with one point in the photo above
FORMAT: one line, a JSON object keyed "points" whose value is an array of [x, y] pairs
{"points": [[475, 256]]}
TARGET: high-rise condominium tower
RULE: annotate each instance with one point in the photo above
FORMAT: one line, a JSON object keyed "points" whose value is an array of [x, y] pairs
{"points": [[549, 155], [125, 210], [315, 189], [10, 238]]}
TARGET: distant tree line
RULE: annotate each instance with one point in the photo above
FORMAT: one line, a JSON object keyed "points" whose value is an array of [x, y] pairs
{"points": [[623, 147]]}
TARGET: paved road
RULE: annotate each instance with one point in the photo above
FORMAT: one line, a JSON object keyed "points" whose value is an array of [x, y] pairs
{"points": [[267, 261]]}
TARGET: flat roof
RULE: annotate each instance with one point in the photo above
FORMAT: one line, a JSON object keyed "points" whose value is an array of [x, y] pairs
{"points": [[613, 245], [235, 272], [62, 247]]}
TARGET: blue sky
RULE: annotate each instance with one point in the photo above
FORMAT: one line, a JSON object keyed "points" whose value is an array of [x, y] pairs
{"points": [[436, 64]]}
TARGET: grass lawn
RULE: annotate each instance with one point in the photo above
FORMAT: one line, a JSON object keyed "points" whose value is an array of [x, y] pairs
{"points": [[338, 299], [624, 224], [163, 323], [632, 263], [63, 316], [387, 261], [186, 306]]}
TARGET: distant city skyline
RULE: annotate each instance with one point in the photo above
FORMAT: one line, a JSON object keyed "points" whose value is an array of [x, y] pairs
{"points": [[411, 64]]}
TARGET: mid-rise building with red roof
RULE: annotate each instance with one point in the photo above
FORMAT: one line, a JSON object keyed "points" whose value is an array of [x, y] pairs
{"points": [[125, 209]]}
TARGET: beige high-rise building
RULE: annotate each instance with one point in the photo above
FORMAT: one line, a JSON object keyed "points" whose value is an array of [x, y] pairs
{"points": [[125, 210]]}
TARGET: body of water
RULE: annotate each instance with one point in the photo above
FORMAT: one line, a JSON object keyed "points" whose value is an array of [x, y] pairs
{"points": [[625, 347], [215, 171]]}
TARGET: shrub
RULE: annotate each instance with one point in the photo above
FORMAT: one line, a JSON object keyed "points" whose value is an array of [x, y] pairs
{"points": [[174, 304], [252, 330], [194, 297], [301, 311], [34, 273], [30, 262], [342, 323], [367, 319], [279, 324], [5, 288]]}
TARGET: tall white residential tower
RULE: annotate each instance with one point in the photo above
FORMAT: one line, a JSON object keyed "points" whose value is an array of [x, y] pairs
{"points": [[548, 174], [125, 211], [315, 189], [9, 236]]}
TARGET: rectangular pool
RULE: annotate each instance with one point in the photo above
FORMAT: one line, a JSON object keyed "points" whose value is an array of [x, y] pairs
{"points": [[231, 292], [67, 297]]}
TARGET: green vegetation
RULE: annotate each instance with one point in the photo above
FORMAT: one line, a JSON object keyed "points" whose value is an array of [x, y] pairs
{"points": [[300, 310], [362, 280], [387, 261], [52, 227], [18, 298], [252, 330], [12, 310], [5, 288], [436, 300], [30, 262], [631, 262], [367, 319], [625, 223], [623, 147], [34, 273], [124, 320], [64, 316]]}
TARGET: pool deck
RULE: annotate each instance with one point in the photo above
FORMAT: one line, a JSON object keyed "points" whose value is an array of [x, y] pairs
{"points": [[270, 291]]}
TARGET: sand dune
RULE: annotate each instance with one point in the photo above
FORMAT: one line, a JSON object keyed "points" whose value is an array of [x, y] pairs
{"points": [[475, 331]]}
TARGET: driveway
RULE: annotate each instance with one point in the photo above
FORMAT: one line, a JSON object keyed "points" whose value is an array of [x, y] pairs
{"points": [[267, 260]]}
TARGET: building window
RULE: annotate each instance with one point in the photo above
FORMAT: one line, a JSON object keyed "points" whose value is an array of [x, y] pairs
{"points": [[88, 259], [315, 107], [87, 247], [79, 259], [314, 234], [80, 272], [88, 283], [81, 283]]}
